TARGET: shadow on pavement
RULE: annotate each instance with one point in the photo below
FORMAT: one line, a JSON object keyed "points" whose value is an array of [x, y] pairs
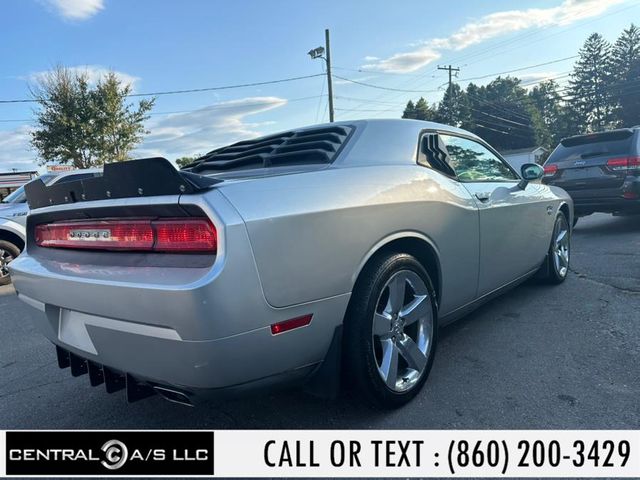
{"points": [[608, 225]]}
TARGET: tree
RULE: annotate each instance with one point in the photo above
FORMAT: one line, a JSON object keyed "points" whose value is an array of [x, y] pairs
{"points": [[625, 89], [590, 85], [424, 111], [186, 160], [85, 125], [454, 108], [421, 110], [554, 113], [504, 116], [409, 111]]}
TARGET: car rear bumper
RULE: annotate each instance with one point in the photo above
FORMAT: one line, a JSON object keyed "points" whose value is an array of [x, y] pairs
{"points": [[610, 200], [197, 330]]}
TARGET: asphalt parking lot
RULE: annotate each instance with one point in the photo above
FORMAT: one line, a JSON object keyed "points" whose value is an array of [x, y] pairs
{"points": [[539, 357]]}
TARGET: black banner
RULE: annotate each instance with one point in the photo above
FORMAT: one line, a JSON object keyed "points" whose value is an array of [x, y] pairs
{"points": [[110, 453]]}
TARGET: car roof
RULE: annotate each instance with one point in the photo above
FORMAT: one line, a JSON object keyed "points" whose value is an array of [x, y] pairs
{"points": [[386, 141]]}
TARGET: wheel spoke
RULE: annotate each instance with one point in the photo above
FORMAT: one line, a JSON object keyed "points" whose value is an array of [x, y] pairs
{"points": [[381, 324], [389, 366], [396, 294], [412, 354], [417, 309], [561, 237]]}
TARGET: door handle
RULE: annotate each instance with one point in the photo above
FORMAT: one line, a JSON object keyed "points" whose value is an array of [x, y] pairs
{"points": [[483, 196]]}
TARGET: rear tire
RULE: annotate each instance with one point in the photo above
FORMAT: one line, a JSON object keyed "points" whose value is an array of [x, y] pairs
{"points": [[390, 331], [8, 252], [559, 256]]}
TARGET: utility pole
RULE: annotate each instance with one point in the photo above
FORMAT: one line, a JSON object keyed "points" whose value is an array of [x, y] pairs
{"points": [[329, 82], [451, 71], [325, 54]]}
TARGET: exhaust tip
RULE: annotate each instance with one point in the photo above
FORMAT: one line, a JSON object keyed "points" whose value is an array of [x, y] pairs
{"points": [[174, 396]]}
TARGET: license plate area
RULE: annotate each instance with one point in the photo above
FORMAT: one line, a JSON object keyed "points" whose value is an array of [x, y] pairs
{"points": [[72, 330], [582, 173]]}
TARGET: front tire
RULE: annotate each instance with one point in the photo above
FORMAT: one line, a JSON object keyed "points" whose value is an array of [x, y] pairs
{"points": [[559, 256], [8, 251], [391, 331]]}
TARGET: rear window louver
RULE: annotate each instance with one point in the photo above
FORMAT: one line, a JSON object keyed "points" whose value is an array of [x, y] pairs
{"points": [[300, 147]]}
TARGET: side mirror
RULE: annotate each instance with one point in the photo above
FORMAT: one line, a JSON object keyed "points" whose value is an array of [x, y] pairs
{"points": [[530, 172]]}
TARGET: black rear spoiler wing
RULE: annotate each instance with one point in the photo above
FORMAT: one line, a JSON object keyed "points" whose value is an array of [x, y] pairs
{"points": [[147, 177]]}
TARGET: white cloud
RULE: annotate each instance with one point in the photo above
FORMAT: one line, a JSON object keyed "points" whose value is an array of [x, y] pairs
{"points": [[491, 26], [170, 136], [404, 62], [536, 76], [15, 150], [76, 9], [206, 128], [93, 72]]}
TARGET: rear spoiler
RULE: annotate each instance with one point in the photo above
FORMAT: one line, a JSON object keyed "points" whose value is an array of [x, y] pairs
{"points": [[147, 177], [612, 135]]}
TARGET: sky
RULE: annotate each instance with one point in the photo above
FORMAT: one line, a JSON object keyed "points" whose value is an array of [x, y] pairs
{"points": [[161, 45]]}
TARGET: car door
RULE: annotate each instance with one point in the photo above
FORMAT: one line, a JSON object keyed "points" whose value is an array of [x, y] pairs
{"points": [[513, 220]]}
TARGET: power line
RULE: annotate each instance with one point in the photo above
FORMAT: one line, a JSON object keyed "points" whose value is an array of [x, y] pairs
{"points": [[195, 90], [380, 87], [211, 107], [488, 75], [492, 49]]}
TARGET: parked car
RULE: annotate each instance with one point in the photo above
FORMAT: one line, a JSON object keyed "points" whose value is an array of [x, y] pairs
{"points": [[320, 252], [13, 218], [601, 171]]}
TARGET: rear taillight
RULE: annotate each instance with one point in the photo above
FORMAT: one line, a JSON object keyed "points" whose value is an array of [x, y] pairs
{"points": [[624, 163], [550, 170], [165, 235]]}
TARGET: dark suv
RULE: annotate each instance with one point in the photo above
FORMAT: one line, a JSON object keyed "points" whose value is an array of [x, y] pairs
{"points": [[601, 171]]}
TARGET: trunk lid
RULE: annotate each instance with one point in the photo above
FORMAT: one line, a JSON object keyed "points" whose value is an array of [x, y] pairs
{"points": [[583, 162]]}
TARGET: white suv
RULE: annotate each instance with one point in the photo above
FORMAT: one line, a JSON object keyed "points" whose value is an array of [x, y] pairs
{"points": [[13, 217]]}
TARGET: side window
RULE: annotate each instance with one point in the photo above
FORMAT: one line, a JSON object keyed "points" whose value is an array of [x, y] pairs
{"points": [[473, 162], [73, 178]]}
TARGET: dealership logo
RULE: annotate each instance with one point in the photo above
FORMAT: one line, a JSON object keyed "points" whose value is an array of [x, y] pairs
{"points": [[115, 453]]}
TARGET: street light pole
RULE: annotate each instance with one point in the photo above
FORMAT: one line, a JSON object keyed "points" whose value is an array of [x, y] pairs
{"points": [[329, 80], [325, 54]]}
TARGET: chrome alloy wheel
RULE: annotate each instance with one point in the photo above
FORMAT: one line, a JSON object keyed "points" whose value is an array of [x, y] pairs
{"points": [[562, 247], [5, 258], [403, 330]]}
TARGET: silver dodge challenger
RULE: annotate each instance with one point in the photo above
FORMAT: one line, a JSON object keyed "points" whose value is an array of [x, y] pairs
{"points": [[322, 255]]}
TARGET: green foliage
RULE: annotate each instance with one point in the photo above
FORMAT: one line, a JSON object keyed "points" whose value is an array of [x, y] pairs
{"points": [[84, 125], [603, 93], [454, 108], [590, 83], [184, 161], [420, 111], [504, 116], [625, 59], [546, 100]]}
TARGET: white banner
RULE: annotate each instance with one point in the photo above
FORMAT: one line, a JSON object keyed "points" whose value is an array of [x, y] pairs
{"points": [[322, 453], [427, 453]]}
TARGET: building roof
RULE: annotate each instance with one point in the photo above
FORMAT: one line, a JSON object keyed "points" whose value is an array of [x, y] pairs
{"points": [[522, 150], [16, 179]]}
